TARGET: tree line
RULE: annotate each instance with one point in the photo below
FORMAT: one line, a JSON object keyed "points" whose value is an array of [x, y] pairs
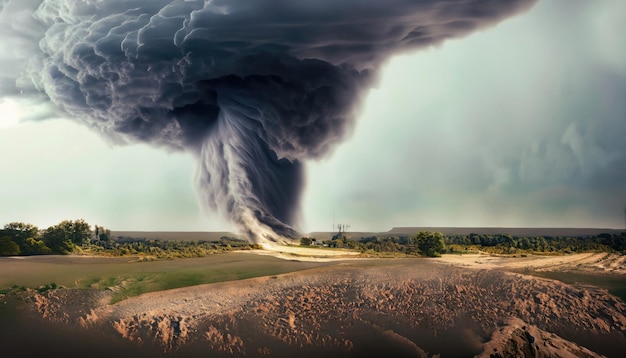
{"points": [[166, 249], [507, 244], [76, 236], [433, 244], [68, 236], [19, 238], [425, 243]]}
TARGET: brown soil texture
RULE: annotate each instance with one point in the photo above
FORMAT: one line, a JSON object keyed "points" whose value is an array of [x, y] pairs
{"points": [[589, 262], [400, 308]]}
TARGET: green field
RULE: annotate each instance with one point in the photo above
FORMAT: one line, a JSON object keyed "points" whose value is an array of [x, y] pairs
{"points": [[128, 278]]}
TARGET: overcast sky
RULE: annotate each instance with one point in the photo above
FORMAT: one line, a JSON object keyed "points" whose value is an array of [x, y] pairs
{"points": [[522, 124]]}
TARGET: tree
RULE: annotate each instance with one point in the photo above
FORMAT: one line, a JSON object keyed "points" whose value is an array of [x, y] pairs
{"points": [[306, 241], [37, 247], [430, 244], [19, 233], [77, 231], [8, 247], [56, 239], [103, 234]]}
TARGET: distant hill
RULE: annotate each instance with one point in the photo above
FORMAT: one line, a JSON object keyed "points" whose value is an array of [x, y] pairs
{"points": [[514, 231], [327, 235]]}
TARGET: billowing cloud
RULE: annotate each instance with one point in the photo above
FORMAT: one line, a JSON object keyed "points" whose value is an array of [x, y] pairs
{"points": [[253, 88], [520, 125]]}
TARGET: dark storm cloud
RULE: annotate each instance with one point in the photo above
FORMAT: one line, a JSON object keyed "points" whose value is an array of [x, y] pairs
{"points": [[252, 87]]}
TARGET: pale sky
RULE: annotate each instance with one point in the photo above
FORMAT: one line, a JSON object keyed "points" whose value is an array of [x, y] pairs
{"points": [[522, 124]]}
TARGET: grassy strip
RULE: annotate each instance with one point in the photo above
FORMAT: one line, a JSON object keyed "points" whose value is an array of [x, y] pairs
{"points": [[159, 281], [128, 279]]}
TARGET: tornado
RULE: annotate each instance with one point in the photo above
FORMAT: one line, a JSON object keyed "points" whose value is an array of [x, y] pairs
{"points": [[253, 88]]}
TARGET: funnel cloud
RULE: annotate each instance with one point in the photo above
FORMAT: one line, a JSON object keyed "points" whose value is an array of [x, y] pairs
{"points": [[252, 88]]}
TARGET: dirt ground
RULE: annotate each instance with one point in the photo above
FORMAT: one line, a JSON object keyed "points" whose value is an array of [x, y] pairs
{"points": [[452, 306], [588, 262], [309, 254]]}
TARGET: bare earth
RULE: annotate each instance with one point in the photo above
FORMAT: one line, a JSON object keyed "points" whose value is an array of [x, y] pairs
{"points": [[588, 262], [306, 253], [453, 306]]}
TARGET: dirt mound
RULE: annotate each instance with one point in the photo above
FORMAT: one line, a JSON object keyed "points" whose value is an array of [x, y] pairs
{"points": [[69, 305], [518, 339], [413, 308]]}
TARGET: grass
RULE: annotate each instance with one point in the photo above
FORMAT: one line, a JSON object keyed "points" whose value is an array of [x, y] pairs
{"points": [[128, 279], [159, 281]]}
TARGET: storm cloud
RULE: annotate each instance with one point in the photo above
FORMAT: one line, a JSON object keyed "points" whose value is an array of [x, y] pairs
{"points": [[252, 88]]}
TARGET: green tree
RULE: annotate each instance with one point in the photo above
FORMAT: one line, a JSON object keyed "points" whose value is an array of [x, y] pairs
{"points": [[19, 233], [57, 240], [8, 247], [306, 241], [77, 231], [103, 234], [37, 247], [430, 244]]}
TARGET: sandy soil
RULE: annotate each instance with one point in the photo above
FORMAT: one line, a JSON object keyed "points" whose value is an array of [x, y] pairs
{"points": [[589, 262], [393, 307], [305, 253]]}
